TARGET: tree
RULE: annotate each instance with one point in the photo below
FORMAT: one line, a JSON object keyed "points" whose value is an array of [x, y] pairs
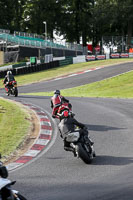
{"points": [[125, 15], [11, 14], [75, 15], [38, 11], [76, 20]]}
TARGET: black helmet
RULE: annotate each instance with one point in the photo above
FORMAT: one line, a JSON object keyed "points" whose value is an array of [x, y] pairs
{"points": [[57, 92]]}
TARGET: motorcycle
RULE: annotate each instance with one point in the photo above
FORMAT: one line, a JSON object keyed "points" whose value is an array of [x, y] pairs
{"points": [[62, 108], [12, 88], [81, 149], [6, 193]]}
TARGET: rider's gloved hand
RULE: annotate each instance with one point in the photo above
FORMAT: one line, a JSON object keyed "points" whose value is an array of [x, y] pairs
{"points": [[85, 128]]}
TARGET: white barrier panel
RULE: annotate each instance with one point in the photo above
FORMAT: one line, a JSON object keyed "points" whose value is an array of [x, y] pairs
{"points": [[79, 59], [59, 58], [100, 57], [48, 58], [7, 67], [124, 55], [114, 55], [130, 55], [90, 57]]}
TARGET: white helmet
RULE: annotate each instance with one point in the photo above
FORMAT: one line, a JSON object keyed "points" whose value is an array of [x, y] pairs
{"points": [[9, 72]]}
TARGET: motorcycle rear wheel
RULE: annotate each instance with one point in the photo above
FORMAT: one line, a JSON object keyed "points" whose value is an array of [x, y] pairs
{"points": [[83, 154], [16, 92]]}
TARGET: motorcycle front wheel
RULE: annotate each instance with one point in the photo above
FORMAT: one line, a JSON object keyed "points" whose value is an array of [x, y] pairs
{"points": [[86, 157], [20, 197]]}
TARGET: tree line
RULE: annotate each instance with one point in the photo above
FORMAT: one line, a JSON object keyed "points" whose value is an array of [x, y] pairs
{"points": [[76, 20]]}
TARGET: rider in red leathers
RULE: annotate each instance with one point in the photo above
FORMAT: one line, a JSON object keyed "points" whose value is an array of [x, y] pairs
{"points": [[59, 103], [8, 78]]}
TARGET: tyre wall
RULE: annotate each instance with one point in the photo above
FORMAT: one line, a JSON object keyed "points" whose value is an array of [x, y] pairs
{"points": [[31, 69]]}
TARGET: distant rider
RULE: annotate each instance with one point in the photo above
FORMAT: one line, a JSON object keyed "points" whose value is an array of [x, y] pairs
{"points": [[8, 78], [67, 127], [56, 101]]}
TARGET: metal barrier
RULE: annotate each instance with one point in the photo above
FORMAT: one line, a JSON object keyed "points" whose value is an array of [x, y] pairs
{"points": [[38, 43]]}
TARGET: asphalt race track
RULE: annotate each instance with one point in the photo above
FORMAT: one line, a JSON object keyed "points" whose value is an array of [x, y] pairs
{"points": [[56, 175], [81, 79]]}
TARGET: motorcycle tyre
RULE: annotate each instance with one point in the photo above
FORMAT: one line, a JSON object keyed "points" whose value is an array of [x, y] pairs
{"points": [[20, 197], [16, 92], [8, 93], [83, 155]]}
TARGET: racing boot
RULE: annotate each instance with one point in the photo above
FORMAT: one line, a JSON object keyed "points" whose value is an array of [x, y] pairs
{"points": [[70, 149], [93, 151]]}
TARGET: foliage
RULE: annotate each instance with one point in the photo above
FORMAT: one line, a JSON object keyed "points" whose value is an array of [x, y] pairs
{"points": [[88, 20], [11, 14]]}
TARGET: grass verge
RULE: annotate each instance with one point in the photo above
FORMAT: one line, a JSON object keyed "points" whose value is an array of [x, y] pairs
{"points": [[117, 87], [14, 126]]}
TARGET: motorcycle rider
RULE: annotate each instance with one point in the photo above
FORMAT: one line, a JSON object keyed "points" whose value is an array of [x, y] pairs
{"points": [[3, 175], [8, 78], [6, 192], [67, 127], [56, 101]]}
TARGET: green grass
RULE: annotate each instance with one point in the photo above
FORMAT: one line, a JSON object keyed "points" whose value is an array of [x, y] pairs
{"points": [[117, 87], [60, 71], [14, 126]]}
